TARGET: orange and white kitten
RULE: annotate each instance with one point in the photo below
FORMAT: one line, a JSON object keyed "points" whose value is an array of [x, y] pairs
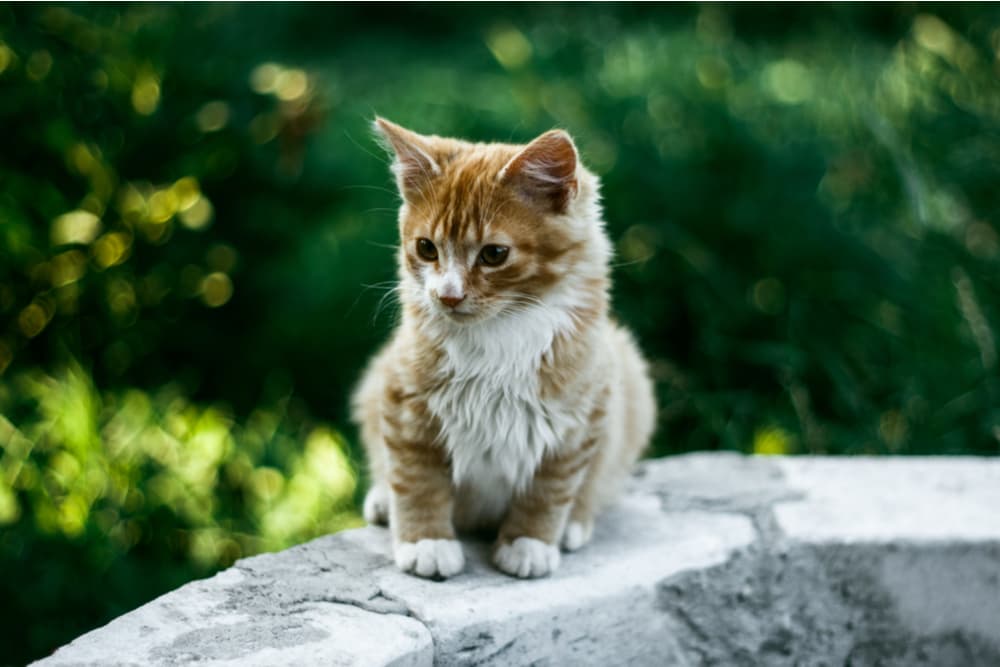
{"points": [[506, 398]]}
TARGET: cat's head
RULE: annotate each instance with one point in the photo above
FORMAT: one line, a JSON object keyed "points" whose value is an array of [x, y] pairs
{"points": [[488, 229]]}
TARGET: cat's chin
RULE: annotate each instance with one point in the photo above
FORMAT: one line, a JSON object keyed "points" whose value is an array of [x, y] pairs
{"points": [[461, 318]]}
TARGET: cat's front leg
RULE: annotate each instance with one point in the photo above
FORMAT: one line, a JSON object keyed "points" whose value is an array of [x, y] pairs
{"points": [[528, 543], [420, 502]]}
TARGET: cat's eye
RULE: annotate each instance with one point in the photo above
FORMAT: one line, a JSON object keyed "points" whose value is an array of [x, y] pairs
{"points": [[426, 250], [494, 255]]}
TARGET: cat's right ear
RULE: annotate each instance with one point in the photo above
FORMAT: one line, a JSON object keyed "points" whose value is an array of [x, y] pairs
{"points": [[414, 164]]}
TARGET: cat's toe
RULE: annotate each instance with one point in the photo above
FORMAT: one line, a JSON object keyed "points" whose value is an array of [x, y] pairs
{"points": [[376, 507], [430, 558], [527, 557], [577, 534]]}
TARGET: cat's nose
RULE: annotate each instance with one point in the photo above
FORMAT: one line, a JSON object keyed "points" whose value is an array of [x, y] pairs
{"points": [[451, 301]]}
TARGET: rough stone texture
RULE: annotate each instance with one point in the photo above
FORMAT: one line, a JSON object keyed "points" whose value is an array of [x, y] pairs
{"points": [[710, 559]]}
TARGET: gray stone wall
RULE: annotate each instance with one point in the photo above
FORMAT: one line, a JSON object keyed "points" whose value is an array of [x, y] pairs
{"points": [[710, 559]]}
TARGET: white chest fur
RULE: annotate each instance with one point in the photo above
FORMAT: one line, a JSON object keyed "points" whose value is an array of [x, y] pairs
{"points": [[494, 424]]}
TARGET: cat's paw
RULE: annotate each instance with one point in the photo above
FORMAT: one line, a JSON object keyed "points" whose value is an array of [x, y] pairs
{"points": [[527, 557], [577, 534], [376, 507], [430, 558]]}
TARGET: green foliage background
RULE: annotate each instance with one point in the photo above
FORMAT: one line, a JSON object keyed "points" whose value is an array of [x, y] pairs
{"points": [[195, 225]]}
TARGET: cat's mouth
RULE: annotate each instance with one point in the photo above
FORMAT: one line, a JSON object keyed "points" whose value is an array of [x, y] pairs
{"points": [[461, 316]]}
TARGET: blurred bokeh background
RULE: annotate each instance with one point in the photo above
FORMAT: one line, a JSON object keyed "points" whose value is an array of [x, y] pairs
{"points": [[196, 233]]}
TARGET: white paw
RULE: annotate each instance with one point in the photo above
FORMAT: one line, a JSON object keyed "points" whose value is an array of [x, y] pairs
{"points": [[527, 557], [376, 507], [577, 534], [430, 558]]}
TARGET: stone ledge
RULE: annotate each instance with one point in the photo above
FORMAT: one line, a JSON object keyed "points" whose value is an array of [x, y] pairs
{"points": [[710, 558]]}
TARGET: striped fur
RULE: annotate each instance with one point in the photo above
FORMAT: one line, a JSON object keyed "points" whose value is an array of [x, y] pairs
{"points": [[506, 399]]}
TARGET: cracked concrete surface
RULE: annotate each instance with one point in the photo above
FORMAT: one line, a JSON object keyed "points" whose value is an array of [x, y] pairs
{"points": [[709, 559]]}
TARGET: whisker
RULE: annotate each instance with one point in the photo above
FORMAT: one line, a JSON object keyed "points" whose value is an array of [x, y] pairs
{"points": [[384, 285], [390, 297], [640, 260], [377, 188], [390, 246]]}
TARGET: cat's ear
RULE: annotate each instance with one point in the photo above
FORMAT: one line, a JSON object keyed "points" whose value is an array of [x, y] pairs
{"points": [[415, 165], [544, 173]]}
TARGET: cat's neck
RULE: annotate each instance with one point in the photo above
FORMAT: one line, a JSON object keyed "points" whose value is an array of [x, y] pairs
{"points": [[512, 341], [513, 344]]}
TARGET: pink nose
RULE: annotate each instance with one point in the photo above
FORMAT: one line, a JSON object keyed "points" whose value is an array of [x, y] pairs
{"points": [[452, 301]]}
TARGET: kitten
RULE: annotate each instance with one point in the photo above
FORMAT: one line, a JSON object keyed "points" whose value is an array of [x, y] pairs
{"points": [[506, 398]]}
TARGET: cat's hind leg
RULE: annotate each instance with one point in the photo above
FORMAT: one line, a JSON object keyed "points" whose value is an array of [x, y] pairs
{"points": [[376, 507], [577, 533], [605, 477], [579, 526], [631, 417]]}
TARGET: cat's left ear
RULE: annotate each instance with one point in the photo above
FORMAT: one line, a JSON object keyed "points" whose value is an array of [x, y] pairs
{"points": [[415, 164], [544, 172]]}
